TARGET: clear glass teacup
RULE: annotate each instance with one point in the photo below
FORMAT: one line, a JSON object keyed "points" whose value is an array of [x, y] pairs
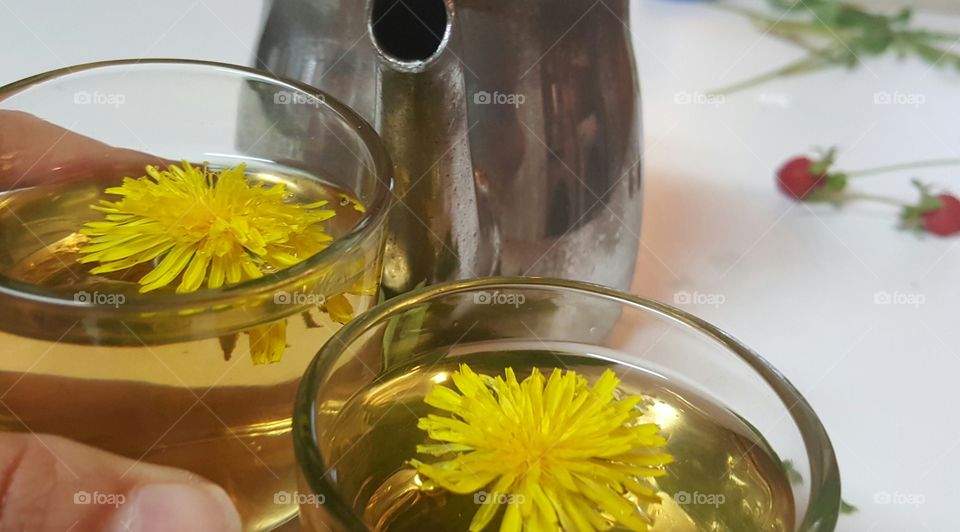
{"points": [[179, 379], [748, 451]]}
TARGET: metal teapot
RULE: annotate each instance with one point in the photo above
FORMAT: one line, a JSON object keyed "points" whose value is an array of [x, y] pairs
{"points": [[514, 126]]}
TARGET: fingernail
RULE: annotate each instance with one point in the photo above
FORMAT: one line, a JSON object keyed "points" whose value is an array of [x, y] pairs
{"points": [[177, 507]]}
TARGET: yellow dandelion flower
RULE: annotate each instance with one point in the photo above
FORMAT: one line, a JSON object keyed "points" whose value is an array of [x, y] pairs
{"points": [[202, 226], [268, 342], [339, 309], [350, 200], [562, 454]]}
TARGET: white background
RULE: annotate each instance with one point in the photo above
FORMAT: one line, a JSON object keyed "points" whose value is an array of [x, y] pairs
{"points": [[798, 283]]}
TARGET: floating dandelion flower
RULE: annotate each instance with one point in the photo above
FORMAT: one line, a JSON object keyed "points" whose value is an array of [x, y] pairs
{"points": [[202, 226], [563, 454], [206, 227]]}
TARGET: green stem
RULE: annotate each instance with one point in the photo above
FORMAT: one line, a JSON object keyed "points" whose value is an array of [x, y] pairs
{"points": [[778, 26], [931, 35], [861, 196], [796, 38], [815, 28], [903, 166], [809, 63], [749, 13]]}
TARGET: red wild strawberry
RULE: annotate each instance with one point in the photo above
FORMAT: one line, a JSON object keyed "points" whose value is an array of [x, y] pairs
{"points": [[937, 214], [801, 177], [807, 179], [797, 180], [945, 220]]}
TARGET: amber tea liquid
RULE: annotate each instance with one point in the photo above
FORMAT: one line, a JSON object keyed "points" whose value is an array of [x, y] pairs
{"points": [[200, 405], [725, 477]]}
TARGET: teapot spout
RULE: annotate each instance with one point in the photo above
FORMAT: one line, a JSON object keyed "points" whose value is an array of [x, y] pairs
{"points": [[439, 229]]}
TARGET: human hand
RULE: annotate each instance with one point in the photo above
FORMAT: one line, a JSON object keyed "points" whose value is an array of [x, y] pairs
{"points": [[48, 483], [34, 151]]}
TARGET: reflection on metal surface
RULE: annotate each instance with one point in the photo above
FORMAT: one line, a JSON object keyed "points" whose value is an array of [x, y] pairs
{"points": [[514, 127]]}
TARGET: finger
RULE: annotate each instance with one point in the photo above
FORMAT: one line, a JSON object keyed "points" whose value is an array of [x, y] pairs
{"points": [[48, 483], [33, 151]]}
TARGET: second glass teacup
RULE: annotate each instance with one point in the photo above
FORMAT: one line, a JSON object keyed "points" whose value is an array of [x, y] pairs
{"points": [[490, 402]]}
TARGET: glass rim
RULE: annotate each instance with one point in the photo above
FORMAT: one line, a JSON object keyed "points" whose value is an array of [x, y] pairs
{"points": [[823, 506], [373, 217]]}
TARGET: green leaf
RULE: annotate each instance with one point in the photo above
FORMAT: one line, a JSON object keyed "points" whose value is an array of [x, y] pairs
{"points": [[929, 205], [903, 17], [847, 508], [933, 54], [793, 476], [912, 215], [828, 13], [840, 33], [795, 4], [877, 38], [837, 181], [822, 166]]}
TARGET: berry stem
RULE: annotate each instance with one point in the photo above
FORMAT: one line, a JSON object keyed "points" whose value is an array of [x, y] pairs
{"points": [[933, 35], [903, 166], [813, 61], [876, 198]]}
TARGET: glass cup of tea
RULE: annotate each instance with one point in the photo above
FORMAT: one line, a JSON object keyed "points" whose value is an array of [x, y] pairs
{"points": [[748, 451], [204, 379]]}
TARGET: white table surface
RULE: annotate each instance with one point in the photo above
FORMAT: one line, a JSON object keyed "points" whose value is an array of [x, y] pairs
{"points": [[797, 282]]}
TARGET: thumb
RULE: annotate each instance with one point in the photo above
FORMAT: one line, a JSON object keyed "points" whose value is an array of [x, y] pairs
{"points": [[28, 157], [48, 483]]}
